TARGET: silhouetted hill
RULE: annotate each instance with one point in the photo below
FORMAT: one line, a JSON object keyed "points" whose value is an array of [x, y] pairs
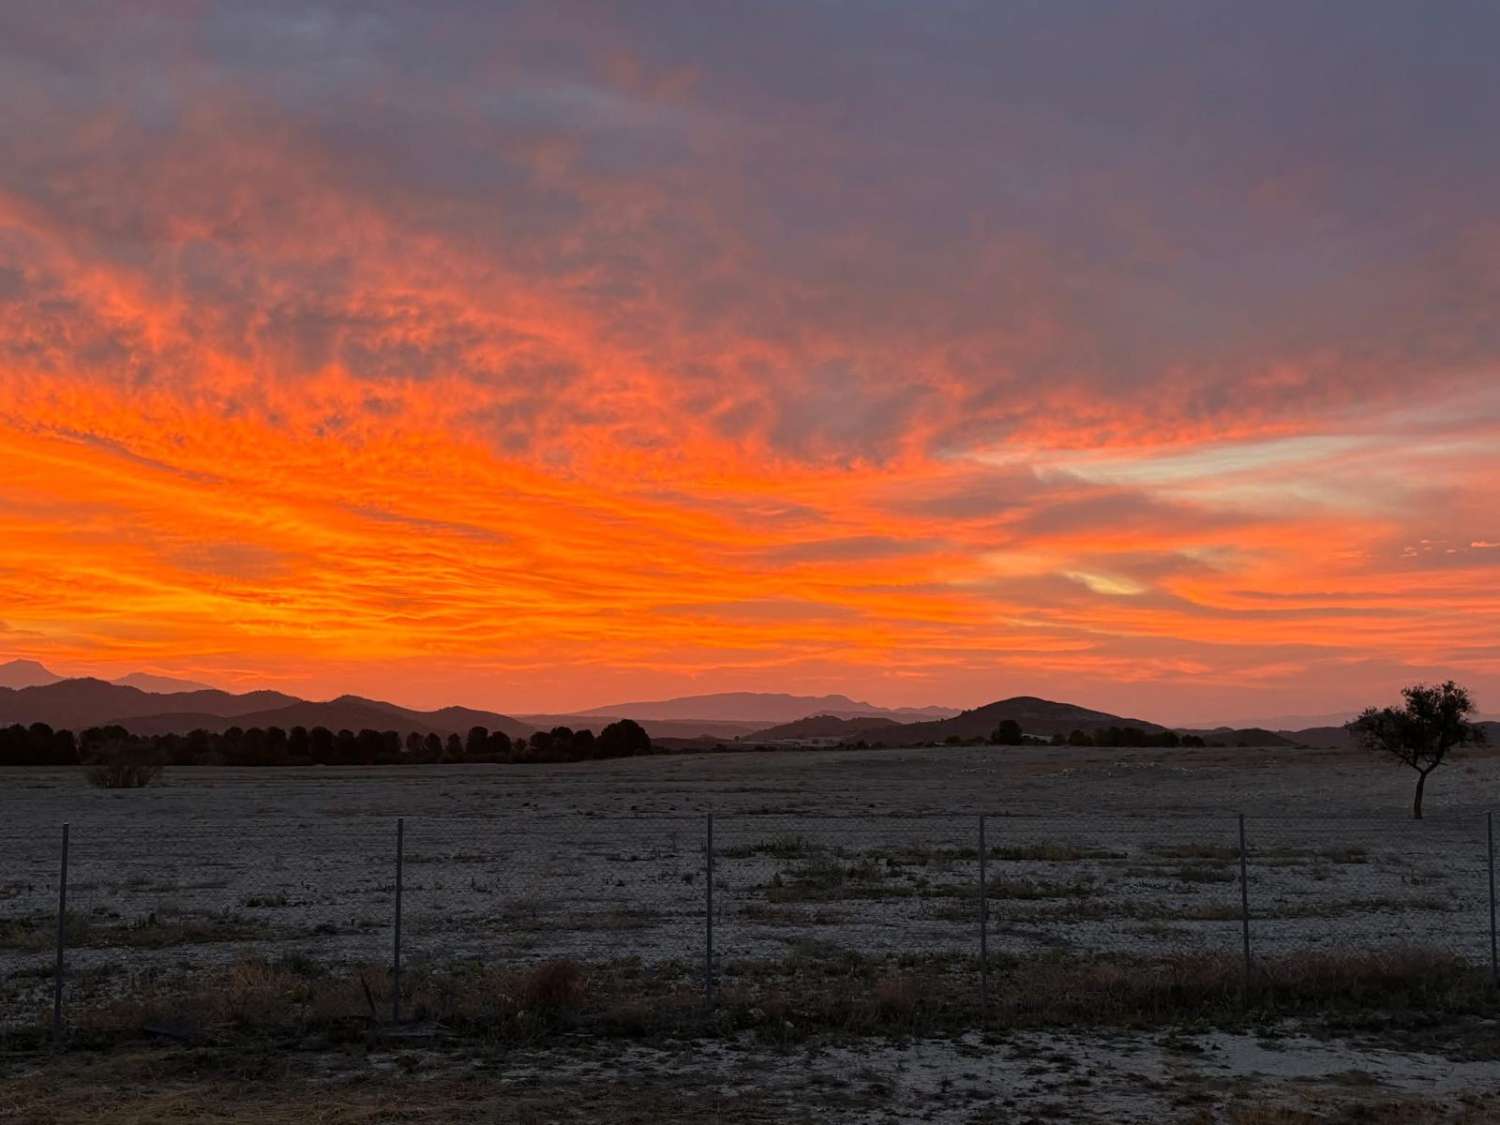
{"points": [[180, 722], [1036, 716], [79, 704], [456, 720], [762, 708], [826, 726], [24, 674], [1326, 738], [88, 703]]}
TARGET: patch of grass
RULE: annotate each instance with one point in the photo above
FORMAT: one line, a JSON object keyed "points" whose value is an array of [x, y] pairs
{"points": [[1294, 857], [612, 920], [38, 932], [525, 914], [921, 855], [1052, 853], [446, 858], [1209, 852], [1146, 910], [1036, 889], [829, 879], [777, 847], [771, 915], [264, 902], [1205, 873], [159, 930]]}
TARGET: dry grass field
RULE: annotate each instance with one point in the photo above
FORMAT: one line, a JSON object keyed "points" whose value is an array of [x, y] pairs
{"points": [[555, 922]]}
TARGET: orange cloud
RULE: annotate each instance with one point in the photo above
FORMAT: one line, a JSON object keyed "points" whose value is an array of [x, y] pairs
{"points": [[571, 381]]}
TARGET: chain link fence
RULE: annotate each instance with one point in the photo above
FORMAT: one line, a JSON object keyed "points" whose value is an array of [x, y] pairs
{"points": [[714, 900]]}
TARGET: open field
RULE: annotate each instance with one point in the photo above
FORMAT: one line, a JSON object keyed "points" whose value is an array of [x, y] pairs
{"points": [[867, 851], [848, 875]]}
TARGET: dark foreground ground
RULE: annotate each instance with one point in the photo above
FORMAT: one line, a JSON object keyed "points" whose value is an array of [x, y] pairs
{"points": [[1402, 1038]]}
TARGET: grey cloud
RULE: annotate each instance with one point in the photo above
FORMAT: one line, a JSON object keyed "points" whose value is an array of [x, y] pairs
{"points": [[927, 216], [850, 548]]}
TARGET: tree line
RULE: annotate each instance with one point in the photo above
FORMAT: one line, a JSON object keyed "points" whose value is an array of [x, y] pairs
{"points": [[1009, 733], [41, 745]]}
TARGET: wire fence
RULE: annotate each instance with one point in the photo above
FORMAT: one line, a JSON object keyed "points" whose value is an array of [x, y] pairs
{"points": [[719, 894]]}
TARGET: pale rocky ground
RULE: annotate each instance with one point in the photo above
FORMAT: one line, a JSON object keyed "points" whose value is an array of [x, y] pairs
{"points": [[1134, 851], [1130, 851]]}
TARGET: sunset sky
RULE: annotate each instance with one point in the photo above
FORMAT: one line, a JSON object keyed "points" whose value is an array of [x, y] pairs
{"points": [[534, 357]]}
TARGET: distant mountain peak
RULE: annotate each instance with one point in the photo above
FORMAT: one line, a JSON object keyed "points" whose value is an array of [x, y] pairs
{"points": [[160, 685], [25, 674]]}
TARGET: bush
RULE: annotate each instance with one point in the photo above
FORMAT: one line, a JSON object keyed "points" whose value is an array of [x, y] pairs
{"points": [[552, 986], [123, 766]]}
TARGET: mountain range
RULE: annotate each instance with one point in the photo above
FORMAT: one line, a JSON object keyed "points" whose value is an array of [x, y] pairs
{"points": [[28, 673], [82, 703], [147, 704]]}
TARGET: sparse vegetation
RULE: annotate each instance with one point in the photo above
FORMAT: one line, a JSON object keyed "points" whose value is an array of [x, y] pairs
{"points": [[122, 764], [1052, 853], [818, 988], [157, 930]]}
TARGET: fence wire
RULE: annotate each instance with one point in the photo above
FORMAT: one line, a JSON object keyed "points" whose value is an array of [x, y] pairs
{"points": [[772, 890]]}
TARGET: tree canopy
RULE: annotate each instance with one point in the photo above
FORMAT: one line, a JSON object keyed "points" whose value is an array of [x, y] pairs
{"points": [[1433, 721]]}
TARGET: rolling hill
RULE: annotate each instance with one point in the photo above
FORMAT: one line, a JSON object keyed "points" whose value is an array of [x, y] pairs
{"points": [[89, 703], [1036, 716], [827, 726]]}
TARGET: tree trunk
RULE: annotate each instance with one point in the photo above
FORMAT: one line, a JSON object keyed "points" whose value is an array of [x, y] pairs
{"points": [[1416, 805]]}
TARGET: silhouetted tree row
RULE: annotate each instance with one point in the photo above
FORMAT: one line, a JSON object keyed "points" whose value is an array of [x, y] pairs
{"points": [[1009, 733], [40, 745], [1130, 737]]}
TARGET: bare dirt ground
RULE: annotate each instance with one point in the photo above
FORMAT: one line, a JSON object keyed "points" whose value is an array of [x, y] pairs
{"points": [[820, 858], [1150, 1079]]}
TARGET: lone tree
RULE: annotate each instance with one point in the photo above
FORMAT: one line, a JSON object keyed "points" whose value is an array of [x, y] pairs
{"points": [[1008, 733], [1433, 722], [623, 738]]}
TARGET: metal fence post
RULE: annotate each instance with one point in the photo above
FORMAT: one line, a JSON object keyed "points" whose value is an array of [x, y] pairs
{"points": [[1245, 899], [984, 931], [396, 949], [62, 929], [1489, 823], [708, 914]]}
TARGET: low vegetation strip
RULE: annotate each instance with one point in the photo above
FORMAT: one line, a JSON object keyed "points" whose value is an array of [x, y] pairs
{"points": [[814, 990], [156, 930]]}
